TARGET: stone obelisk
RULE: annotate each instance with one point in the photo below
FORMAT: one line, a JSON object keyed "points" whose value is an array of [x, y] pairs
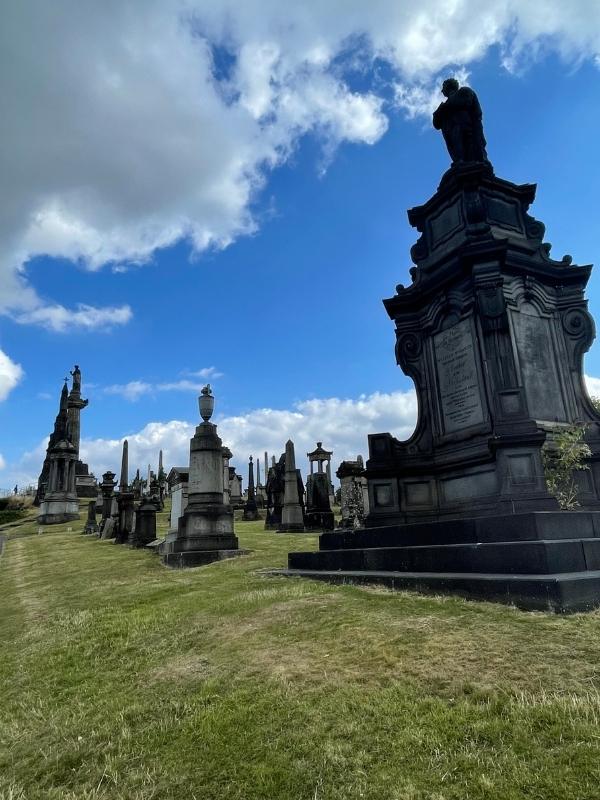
{"points": [[125, 504], [124, 479], [251, 509], [291, 516]]}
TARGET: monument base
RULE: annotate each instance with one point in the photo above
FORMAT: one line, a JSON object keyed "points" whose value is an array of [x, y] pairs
{"points": [[540, 560], [292, 527], [204, 534], [53, 512], [319, 521]]}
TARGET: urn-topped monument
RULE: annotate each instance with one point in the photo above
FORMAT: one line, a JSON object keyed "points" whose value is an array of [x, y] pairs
{"points": [[493, 331], [205, 530]]}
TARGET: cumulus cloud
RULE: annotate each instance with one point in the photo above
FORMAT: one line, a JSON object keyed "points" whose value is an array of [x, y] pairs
{"points": [[206, 373], [10, 375], [128, 126], [2, 461], [593, 385], [341, 424], [58, 318], [134, 390]]}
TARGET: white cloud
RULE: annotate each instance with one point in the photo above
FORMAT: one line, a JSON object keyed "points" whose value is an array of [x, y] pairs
{"points": [[10, 375], [135, 389], [593, 385], [205, 372], [123, 131], [2, 462], [421, 99], [60, 319], [341, 424], [130, 391]]}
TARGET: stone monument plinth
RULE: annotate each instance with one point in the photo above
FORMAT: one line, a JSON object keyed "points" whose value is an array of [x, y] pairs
{"points": [[205, 531], [492, 331], [58, 498]]}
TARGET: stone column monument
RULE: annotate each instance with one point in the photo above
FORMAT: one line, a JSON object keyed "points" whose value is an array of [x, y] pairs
{"points": [[205, 531], [292, 517], [107, 488]]}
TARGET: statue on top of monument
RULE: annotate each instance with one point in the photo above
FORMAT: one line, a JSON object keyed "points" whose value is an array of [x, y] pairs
{"points": [[459, 119], [76, 373]]}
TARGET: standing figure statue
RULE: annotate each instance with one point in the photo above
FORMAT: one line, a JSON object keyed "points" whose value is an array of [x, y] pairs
{"points": [[76, 373], [459, 119]]}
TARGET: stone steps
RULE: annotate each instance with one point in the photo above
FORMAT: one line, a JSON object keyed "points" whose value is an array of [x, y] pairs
{"points": [[534, 557], [538, 560], [559, 593]]}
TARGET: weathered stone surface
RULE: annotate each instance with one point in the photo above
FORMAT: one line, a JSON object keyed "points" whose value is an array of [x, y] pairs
{"points": [[207, 522], [492, 331], [292, 517], [58, 493]]}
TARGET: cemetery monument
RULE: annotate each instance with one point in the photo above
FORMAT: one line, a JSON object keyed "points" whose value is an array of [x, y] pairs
{"points": [[492, 330]]}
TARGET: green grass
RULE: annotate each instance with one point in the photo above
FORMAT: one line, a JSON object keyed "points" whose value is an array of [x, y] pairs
{"points": [[121, 679]]}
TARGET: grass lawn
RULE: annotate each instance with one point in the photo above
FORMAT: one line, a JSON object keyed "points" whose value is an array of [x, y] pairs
{"points": [[122, 679]]}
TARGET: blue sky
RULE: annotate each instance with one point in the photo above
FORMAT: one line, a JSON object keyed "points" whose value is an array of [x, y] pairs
{"points": [[270, 283]]}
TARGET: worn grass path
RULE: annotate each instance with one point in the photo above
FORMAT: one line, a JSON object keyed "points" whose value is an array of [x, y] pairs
{"points": [[121, 679]]}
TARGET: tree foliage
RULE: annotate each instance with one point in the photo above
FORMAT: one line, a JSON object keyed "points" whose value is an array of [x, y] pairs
{"points": [[564, 454]]}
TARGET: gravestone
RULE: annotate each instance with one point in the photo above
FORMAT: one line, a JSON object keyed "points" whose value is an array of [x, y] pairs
{"points": [[107, 488], [492, 331], [292, 516], [178, 482], [144, 530], [91, 526], [275, 490], [354, 493], [205, 531]]}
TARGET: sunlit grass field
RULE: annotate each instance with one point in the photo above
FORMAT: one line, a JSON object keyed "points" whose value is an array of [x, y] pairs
{"points": [[122, 679]]}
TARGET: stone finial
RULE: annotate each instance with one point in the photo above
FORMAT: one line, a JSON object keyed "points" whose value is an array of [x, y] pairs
{"points": [[206, 403]]}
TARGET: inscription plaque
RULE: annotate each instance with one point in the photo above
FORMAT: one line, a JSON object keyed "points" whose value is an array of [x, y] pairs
{"points": [[538, 366], [458, 381]]}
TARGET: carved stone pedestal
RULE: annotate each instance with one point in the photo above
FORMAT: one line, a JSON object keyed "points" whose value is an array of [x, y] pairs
{"points": [[492, 331]]}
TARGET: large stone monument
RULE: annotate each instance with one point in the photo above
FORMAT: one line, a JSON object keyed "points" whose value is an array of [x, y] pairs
{"points": [[492, 331], [85, 482], [59, 503], [319, 515], [205, 531]]}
